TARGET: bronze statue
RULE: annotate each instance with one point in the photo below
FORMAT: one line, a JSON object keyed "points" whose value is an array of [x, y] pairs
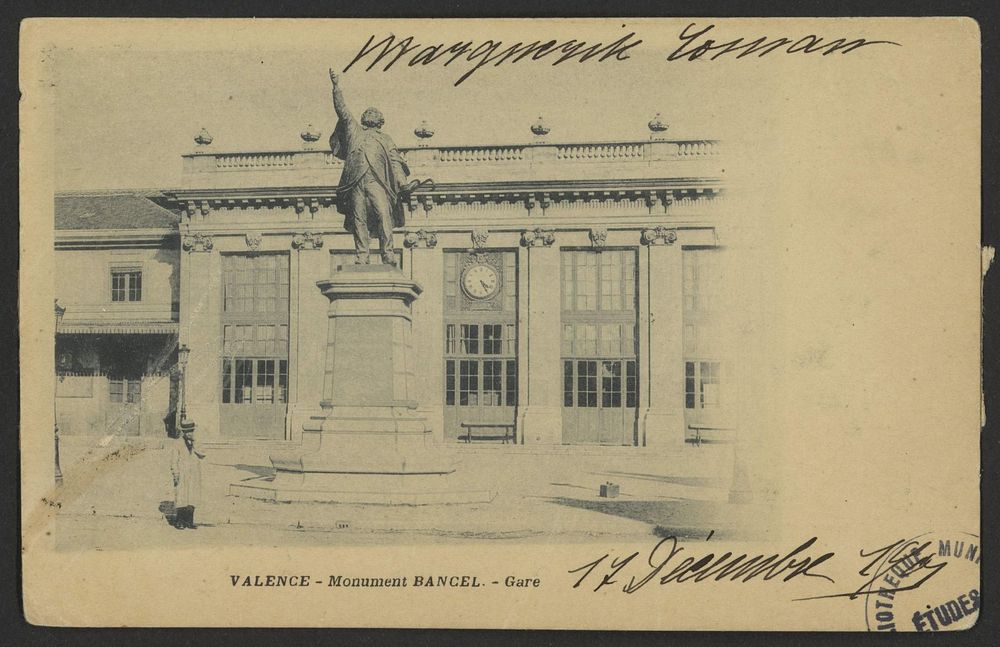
{"points": [[373, 184]]}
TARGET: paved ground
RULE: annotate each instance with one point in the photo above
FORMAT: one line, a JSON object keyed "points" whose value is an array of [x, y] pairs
{"points": [[115, 496]]}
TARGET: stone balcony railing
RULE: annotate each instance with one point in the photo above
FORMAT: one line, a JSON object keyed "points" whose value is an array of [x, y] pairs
{"points": [[529, 162]]}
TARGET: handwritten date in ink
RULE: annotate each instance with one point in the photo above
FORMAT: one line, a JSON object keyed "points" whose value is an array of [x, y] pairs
{"points": [[893, 563], [661, 565]]}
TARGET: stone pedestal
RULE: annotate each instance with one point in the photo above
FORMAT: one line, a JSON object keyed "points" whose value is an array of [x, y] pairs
{"points": [[371, 445]]}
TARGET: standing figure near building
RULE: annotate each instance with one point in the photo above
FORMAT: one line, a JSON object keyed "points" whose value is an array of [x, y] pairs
{"points": [[185, 467], [374, 178]]}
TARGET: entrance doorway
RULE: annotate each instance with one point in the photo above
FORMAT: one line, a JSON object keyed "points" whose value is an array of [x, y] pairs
{"points": [[254, 393], [599, 401], [599, 354], [254, 368], [124, 410]]}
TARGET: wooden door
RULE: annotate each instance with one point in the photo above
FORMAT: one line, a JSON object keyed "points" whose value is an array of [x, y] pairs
{"points": [[124, 407], [254, 397], [600, 378]]}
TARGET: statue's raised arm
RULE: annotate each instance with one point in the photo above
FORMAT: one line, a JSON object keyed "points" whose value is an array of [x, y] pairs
{"points": [[339, 104]]}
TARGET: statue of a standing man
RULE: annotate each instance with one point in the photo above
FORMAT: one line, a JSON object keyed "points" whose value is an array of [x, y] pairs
{"points": [[374, 177]]}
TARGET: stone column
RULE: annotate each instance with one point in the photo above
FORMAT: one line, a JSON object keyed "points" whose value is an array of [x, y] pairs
{"points": [[541, 419], [663, 419], [427, 269], [201, 331]]}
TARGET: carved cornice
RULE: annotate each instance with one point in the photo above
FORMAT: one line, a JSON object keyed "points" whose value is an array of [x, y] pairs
{"points": [[420, 238], [598, 238], [253, 239], [659, 236], [308, 240], [479, 237], [656, 194], [197, 243], [538, 237], [298, 203]]}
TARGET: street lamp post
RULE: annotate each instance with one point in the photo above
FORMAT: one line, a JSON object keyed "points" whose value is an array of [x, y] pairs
{"points": [[59, 312], [182, 359]]}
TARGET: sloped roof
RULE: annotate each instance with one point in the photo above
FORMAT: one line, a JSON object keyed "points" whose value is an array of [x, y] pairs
{"points": [[111, 210]]}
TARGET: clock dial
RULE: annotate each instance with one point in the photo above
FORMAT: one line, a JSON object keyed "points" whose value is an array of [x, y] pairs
{"points": [[480, 281]]}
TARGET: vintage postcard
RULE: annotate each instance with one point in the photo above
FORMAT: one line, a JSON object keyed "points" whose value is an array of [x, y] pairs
{"points": [[632, 324]]}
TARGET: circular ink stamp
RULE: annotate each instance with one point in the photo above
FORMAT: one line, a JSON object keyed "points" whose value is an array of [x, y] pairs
{"points": [[930, 583]]}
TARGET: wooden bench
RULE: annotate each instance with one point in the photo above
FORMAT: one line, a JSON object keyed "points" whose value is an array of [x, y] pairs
{"points": [[509, 432], [720, 434]]}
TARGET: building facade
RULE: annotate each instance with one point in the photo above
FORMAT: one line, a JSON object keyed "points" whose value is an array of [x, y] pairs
{"points": [[117, 262], [570, 290]]}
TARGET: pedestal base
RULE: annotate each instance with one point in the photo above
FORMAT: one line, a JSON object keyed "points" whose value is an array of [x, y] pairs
{"points": [[365, 440], [370, 455], [360, 489]]}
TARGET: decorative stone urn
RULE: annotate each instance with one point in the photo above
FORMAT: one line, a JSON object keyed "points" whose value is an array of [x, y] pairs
{"points": [[202, 138], [310, 135], [424, 130], [540, 128], [657, 126]]}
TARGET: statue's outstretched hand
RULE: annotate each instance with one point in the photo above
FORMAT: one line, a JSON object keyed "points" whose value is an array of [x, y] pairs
{"points": [[334, 77]]}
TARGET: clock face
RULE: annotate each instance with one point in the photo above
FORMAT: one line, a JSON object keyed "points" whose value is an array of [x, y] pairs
{"points": [[480, 281]]}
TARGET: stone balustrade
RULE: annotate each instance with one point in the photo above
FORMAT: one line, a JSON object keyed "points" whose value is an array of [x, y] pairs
{"points": [[601, 152], [534, 161], [473, 154], [254, 160]]}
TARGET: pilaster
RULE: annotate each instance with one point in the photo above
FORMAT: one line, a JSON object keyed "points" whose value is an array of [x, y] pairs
{"points": [[541, 420], [201, 290], [663, 418], [308, 324], [427, 269]]}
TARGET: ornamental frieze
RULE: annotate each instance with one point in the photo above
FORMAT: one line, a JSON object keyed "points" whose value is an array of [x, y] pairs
{"points": [[538, 237], [479, 237], [420, 238], [253, 239], [308, 240], [197, 243], [659, 236]]}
